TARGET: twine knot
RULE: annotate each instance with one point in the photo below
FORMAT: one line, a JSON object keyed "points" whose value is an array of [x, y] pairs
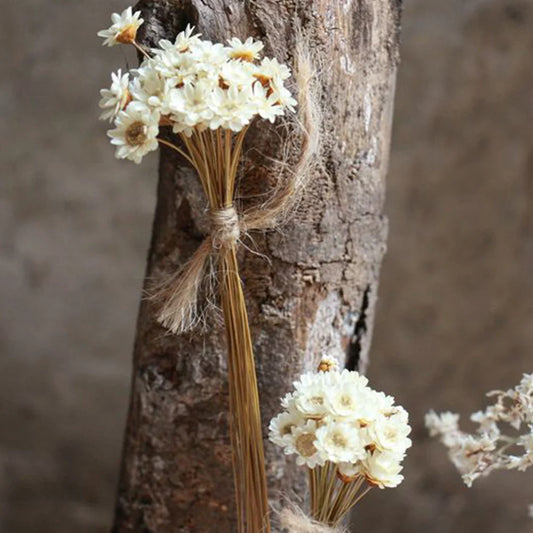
{"points": [[225, 227]]}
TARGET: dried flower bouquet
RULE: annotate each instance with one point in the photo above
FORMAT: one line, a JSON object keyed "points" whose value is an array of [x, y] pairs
{"points": [[349, 437], [208, 94]]}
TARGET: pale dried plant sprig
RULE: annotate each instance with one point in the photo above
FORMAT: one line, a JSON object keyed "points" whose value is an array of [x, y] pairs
{"points": [[491, 447]]}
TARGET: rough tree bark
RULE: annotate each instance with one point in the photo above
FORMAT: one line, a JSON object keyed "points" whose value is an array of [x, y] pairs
{"points": [[316, 294]]}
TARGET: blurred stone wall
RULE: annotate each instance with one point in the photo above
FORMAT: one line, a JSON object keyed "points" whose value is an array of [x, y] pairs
{"points": [[456, 300], [75, 227]]}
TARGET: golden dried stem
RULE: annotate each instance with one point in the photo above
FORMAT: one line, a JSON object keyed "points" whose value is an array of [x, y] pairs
{"points": [[246, 434], [332, 498]]}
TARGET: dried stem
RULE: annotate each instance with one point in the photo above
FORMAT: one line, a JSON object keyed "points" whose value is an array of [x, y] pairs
{"points": [[331, 497]]}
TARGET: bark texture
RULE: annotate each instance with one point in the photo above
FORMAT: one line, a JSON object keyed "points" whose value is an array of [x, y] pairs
{"points": [[317, 292]]}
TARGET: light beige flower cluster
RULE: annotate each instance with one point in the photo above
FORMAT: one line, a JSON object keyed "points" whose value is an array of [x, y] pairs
{"points": [[191, 85], [336, 417], [490, 448]]}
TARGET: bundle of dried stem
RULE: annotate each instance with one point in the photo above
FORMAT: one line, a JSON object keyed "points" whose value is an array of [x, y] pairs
{"points": [[332, 495], [215, 156]]}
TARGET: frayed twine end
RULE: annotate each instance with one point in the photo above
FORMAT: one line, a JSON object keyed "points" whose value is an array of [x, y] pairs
{"points": [[293, 520]]}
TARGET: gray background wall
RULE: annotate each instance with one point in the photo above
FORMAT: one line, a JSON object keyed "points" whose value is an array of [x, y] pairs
{"points": [[456, 296]]}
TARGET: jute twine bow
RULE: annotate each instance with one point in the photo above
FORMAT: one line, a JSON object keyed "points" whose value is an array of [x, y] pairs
{"points": [[225, 227], [180, 293]]}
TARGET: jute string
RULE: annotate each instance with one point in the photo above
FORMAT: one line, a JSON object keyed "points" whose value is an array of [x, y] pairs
{"points": [[293, 520], [179, 294], [225, 227]]}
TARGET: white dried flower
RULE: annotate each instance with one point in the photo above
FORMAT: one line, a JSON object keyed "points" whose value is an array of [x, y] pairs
{"points": [[390, 434], [182, 43], [348, 400], [271, 69], [245, 51], [124, 28], [136, 132], [340, 442], [281, 426], [349, 471], [117, 97], [231, 109], [303, 445], [383, 470], [151, 88], [267, 107]]}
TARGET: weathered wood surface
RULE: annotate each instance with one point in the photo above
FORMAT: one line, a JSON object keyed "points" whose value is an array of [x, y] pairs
{"points": [[317, 293]]}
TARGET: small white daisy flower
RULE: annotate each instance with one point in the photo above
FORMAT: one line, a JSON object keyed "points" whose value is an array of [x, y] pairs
{"points": [[383, 470], [136, 132], [190, 105], [245, 51], [340, 442], [390, 434], [310, 396], [349, 471], [272, 69], [280, 428], [232, 109], [151, 88], [117, 97], [303, 445], [124, 28], [266, 107]]}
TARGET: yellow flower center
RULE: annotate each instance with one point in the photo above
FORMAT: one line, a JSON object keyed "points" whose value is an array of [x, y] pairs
{"points": [[339, 440], [127, 35], [243, 55], [136, 134], [346, 401], [304, 444]]}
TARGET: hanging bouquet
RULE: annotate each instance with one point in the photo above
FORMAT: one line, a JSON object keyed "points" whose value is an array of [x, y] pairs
{"points": [[349, 437]]}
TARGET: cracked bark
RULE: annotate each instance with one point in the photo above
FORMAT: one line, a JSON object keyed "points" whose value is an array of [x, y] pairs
{"points": [[317, 293]]}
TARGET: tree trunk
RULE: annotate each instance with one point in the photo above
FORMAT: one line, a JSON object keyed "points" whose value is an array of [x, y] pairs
{"points": [[315, 294]]}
